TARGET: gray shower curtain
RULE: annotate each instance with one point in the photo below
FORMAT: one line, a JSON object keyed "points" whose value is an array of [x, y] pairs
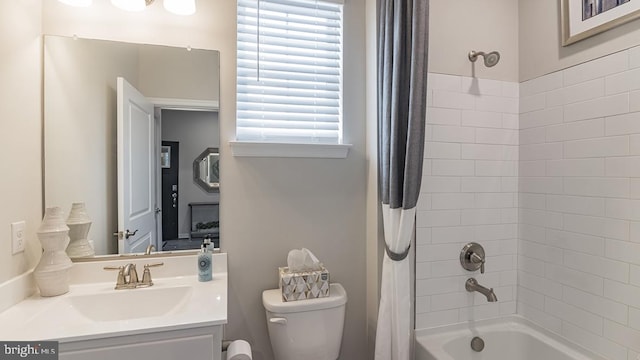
{"points": [[402, 87]]}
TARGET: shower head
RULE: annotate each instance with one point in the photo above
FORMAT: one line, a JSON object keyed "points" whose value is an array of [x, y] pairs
{"points": [[490, 59]]}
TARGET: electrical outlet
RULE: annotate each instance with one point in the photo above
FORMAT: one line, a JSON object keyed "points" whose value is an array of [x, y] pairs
{"points": [[17, 237]]}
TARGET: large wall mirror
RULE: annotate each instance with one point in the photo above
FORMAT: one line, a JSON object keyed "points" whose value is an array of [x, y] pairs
{"points": [[123, 125]]}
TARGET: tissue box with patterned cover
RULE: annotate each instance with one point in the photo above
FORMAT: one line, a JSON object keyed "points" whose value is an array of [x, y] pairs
{"points": [[304, 284]]}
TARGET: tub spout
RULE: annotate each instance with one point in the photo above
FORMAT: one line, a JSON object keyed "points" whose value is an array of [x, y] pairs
{"points": [[472, 285]]}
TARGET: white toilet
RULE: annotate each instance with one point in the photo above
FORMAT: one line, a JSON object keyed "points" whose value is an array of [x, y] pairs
{"points": [[306, 329]]}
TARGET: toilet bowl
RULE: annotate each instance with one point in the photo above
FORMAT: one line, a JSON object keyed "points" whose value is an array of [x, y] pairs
{"points": [[306, 329]]}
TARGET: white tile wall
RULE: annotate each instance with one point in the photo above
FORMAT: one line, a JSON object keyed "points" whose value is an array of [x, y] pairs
{"points": [[579, 233], [472, 159], [546, 176]]}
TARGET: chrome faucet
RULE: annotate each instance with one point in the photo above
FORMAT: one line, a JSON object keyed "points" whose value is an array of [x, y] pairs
{"points": [[472, 285]]}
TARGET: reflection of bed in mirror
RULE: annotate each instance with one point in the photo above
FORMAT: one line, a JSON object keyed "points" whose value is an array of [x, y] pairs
{"points": [[80, 132]]}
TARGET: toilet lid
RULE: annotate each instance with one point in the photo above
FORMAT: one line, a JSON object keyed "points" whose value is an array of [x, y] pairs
{"points": [[272, 301]]}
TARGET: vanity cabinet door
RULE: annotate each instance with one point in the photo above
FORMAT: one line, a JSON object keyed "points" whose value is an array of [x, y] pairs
{"points": [[169, 345]]}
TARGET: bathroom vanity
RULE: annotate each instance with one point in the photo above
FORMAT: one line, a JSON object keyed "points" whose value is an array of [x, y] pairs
{"points": [[176, 317]]}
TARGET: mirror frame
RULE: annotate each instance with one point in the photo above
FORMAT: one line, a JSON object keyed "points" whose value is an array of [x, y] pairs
{"points": [[208, 187]]}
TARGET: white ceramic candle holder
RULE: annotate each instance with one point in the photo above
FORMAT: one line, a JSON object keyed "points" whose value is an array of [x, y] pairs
{"points": [[52, 272], [79, 224]]}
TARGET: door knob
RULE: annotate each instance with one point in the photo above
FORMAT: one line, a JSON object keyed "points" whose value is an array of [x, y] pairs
{"points": [[128, 234]]}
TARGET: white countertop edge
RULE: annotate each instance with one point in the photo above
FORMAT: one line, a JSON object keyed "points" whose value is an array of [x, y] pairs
{"points": [[16, 290]]}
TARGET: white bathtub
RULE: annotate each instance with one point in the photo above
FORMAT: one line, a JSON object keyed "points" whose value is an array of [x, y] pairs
{"points": [[509, 338]]}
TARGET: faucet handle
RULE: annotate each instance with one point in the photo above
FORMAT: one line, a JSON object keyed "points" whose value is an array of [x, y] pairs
{"points": [[120, 280], [477, 259], [146, 275]]}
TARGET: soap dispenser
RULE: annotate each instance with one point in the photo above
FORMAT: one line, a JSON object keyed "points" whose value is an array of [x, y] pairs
{"points": [[205, 264]]}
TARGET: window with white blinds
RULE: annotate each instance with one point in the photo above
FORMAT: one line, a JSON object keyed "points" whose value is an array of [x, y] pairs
{"points": [[289, 71]]}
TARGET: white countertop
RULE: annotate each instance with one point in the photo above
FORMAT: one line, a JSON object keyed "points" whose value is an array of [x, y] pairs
{"points": [[55, 318]]}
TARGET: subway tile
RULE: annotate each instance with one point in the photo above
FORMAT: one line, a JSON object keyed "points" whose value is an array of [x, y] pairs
{"points": [[423, 270], [510, 121], [596, 304], [531, 298], [497, 104], [589, 244], [624, 124], [628, 252], [447, 268], [634, 144], [489, 152], [597, 68], [532, 201], [623, 82], [597, 226], [437, 252], [584, 91], [481, 184], [532, 168], [480, 312], [424, 201], [444, 82], [623, 209], [430, 218], [511, 89], [622, 293], [634, 318], [497, 136], [436, 318], [494, 200], [546, 117], [610, 349], [541, 84], [548, 151], [453, 167], [494, 232], [600, 107], [445, 201], [576, 130], [578, 279], [535, 135], [476, 86], [457, 234], [481, 216], [555, 98], [423, 304], [622, 335], [548, 254], [540, 285], [541, 318], [459, 134], [481, 119], [634, 99], [533, 102], [423, 236], [496, 168], [444, 285], [598, 147], [442, 150], [627, 166], [595, 186], [440, 116], [453, 100], [581, 205], [634, 57], [541, 185], [441, 184], [509, 215], [531, 266], [583, 319], [596, 265], [576, 167]]}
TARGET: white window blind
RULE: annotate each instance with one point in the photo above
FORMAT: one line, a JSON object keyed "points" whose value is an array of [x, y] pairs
{"points": [[289, 71]]}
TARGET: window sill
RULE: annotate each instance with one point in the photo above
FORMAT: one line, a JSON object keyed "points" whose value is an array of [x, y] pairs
{"points": [[288, 150]]}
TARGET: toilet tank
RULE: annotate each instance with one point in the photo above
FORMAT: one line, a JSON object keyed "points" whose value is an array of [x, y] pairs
{"points": [[306, 329]]}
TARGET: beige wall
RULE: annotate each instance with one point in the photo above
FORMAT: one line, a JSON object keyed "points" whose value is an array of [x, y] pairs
{"points": [[457, 27], [268, 205], [20, 131], [540, 39]]}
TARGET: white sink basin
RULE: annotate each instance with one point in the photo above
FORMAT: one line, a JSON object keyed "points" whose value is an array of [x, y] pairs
{"points": [[131, 303]]}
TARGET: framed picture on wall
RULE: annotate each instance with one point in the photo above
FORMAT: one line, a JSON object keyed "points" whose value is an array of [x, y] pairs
{"points": [[584, 18], [165, 157]]}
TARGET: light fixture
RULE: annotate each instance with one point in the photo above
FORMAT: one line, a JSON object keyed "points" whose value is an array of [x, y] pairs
{"points": [[180, 7], [131, 5], [78, 3]]}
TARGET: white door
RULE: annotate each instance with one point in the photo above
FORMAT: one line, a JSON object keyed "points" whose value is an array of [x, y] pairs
{"points": [[136, 170]]}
